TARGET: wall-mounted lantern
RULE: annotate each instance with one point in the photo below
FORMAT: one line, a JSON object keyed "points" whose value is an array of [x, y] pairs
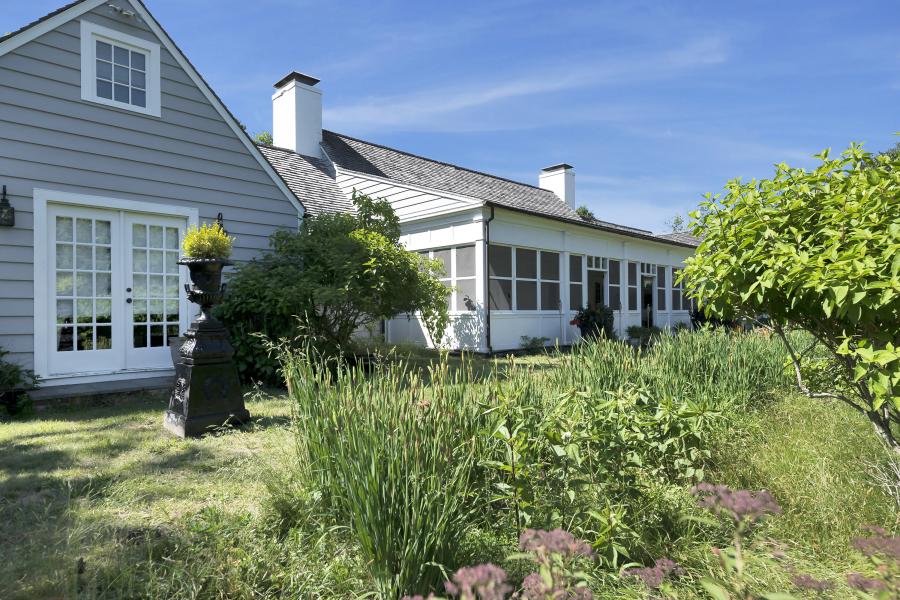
{"points": [[221, 223], [7, 212]]}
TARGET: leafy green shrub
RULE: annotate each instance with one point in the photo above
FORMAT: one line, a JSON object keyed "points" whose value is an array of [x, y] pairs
{"points": [[14, 381], [815, 250], [338, 273], [209, 241], [533, 344]]}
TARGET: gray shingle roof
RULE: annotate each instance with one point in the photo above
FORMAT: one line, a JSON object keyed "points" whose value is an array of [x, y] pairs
{"points": [[684, 238], [372, 159], [311, 179], [357, 155]]}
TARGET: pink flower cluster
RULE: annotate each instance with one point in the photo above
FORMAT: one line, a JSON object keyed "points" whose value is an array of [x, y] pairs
{"points": [[558, 541], [654, 576], [742, 506]]}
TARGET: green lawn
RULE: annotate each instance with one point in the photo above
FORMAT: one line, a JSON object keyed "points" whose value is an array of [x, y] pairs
{"points": [[104, 495], [82, 483]]}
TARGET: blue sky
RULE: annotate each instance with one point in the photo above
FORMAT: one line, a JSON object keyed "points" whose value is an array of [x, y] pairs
{"points": [[654, 103]]}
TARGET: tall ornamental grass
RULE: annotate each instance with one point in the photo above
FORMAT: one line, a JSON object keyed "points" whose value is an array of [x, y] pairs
{"points": [[392, 459]]}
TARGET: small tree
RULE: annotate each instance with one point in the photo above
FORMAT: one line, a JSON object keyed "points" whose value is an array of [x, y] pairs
{"points": [[338, 273], [676, 224], [817, 250], [263, 137], [585, 213]]}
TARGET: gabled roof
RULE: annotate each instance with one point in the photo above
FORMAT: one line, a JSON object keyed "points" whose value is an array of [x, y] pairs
{"points": [[73, 10], [373, 159], [367, 158], [311, 179]]}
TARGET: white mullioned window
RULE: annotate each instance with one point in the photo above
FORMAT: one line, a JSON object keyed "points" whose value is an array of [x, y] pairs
{"points": [[576, 281], [632, 286], [459, 272], [660, 288], [680, 301], [119, 70], [615, 283], [523, 279]]}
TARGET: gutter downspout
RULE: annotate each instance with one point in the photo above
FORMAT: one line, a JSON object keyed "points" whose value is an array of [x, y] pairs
{"points": [[487, 282]]}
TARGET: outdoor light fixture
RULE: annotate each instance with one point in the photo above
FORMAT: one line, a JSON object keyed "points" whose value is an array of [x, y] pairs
{"points": [[221, 223], [7, 212]]}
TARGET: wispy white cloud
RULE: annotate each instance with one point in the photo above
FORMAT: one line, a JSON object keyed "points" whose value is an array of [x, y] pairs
{"points": [[438, 109]]}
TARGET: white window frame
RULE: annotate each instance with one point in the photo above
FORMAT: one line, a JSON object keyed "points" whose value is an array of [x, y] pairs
{"points": [[90, 34], [538, 280], [450, 277]]}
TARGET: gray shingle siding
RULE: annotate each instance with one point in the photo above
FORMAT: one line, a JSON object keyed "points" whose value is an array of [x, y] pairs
{"points": [[51, 138]]}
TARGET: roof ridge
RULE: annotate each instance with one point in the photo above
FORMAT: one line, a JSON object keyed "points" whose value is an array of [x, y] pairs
{"points": [[440, 162]]}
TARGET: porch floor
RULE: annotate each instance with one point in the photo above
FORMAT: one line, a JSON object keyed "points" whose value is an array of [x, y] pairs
{"points": [[88, 393]]}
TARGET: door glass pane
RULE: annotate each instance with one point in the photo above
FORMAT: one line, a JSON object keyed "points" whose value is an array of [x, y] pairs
{"points": [[171, 238], [63, 256], [157, 336], [64, 229], [156, 236], [84, 232], [140, 336], [171, 262], [139, 261], [155, 258], [84, 273], [139, 235]]}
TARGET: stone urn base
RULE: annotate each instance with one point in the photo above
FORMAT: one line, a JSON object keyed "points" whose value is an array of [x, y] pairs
{"points": [[207, 392]]}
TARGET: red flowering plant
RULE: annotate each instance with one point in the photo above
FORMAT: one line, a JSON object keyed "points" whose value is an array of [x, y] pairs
{"points": [[595, 322]]}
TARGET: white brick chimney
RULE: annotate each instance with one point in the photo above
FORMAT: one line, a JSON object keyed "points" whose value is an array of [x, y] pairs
{"points": [[559, 179], [297, 114]]}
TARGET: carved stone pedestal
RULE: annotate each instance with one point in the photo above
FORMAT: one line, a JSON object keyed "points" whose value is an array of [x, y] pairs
{"points": [[207, 391]]}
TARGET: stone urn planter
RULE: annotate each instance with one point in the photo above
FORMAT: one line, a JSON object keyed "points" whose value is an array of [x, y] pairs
{"points": [[207, 392]]}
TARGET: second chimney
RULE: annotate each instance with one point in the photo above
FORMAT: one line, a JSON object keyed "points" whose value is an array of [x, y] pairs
{"points": [[559, 179], [297, 114]]}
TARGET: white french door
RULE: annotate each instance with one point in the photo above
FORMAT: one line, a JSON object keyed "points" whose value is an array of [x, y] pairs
{"points": [[114, 289]]}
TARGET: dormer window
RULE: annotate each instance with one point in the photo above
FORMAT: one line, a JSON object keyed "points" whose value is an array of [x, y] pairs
{"points": [[119, 70]]}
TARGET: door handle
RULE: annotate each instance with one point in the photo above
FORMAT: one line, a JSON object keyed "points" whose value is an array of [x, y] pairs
{"points": [[128, 300], [128, 290]]}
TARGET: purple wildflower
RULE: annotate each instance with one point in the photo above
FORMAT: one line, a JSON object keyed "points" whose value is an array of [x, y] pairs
{"points": [[742, 506], [481, 582], [879, 544], [557, 541], [654, 576], [864, 584], [807, 582], [534, 587]]}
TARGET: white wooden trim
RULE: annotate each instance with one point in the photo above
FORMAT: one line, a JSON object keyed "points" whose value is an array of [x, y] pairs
{"points": [[43, 197], [101, 376], [50, 24], [90, 32]]}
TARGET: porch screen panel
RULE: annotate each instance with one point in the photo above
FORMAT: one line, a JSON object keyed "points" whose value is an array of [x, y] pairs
{"points": [[632, 286], [444, 257], [615, 282], [526, 279], [155, 303], [576, 281], [550, 281], [465, 278], [677, 291], [500, 277], [661, 288], [83, 284]]}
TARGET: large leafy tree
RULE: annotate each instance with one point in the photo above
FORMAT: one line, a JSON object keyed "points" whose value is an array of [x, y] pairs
{"points": [[817, 250], [338, 273]]}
